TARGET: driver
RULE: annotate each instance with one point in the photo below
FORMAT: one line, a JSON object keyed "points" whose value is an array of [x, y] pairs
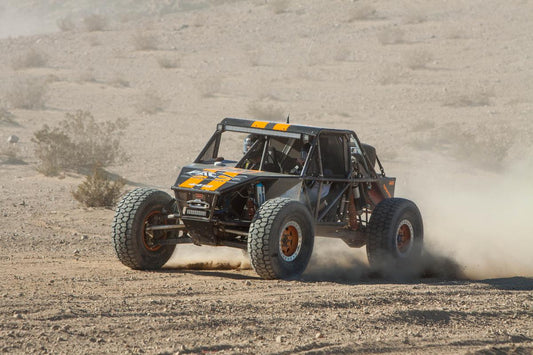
{"points": [[248, 142], [253, 159]]}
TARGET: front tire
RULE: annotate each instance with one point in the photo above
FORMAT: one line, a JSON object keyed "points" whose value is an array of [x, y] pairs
{"points": [[281, 238], [395, 235], [136, 247]]}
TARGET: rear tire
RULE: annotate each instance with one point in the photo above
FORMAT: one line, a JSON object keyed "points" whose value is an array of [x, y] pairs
{"points": [[281, 238], [134, 246], [396, 235]]}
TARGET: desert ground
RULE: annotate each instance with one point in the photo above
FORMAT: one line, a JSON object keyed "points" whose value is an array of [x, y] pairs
{"points": [[443, 90]]}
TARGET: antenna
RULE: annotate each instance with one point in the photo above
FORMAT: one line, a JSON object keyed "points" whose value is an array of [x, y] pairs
{"points": [[288, 118]]}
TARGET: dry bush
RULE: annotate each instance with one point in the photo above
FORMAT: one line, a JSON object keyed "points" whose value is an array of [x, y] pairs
{"points": [[456, 33], [99, 190], [86, 76], [362, 12], [27, 94], [423, 125], [344, 55], [94, 41], [32, 58], [417, 59], [95, 22], [468, 98], [200, 20], [255, 57], [10, 154], [119, 82], [168, 63], [65, 24], [210, 87], [149, 103], [414, 15], [77, 143], [278, 6], [391, 35], [6, 116], [144, 41], [392, 75], [266, 112]]}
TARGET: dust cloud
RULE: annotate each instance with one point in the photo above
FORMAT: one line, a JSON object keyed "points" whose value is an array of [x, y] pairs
{"points": [[476, 226], [479, 219], [193, 257]]}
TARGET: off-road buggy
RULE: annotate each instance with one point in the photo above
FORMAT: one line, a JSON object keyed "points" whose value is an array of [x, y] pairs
{"points": [[289, 184]]}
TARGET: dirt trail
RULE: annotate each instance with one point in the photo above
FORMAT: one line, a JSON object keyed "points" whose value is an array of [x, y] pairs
{"points": [[70, 295]]}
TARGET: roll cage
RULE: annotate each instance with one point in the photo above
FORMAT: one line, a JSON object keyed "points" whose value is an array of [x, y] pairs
{"points": [[337, 178]]}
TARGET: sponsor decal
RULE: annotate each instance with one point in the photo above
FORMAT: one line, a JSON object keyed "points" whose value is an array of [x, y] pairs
{"points": [[210, 179]]}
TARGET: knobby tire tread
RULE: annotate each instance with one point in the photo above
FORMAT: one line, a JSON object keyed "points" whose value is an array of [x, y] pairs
{"points": [[259, 248], [122, 227]]}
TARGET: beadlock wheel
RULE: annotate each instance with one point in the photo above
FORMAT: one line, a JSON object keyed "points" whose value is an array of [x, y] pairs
{"points": [[290, 241], [404, 237], [281, 239]]}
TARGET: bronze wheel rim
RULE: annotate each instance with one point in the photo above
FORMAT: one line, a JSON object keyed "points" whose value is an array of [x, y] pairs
{"points": [[290, 241], [149, 239], [404, 237]]}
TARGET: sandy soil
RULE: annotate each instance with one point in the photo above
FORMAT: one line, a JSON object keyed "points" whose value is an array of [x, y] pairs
{"points": [[443, 90]]}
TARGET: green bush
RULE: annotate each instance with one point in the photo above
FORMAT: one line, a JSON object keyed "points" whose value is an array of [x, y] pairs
{"points": [[98, 190], [78, 143]]}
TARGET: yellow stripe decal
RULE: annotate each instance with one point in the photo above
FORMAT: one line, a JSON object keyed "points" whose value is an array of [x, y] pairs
{"points": [[387, 190], [281, 127], [193, 181], [219, 181], [259, 124]]}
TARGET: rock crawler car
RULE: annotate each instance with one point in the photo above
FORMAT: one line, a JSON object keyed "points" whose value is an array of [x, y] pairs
{"points": [[289, 184]]}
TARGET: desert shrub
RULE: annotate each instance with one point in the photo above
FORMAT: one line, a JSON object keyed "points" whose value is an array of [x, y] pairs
{"points": [[266, 112], [362, 12], [423, 125], [98, 189], [86, 76], [468, 98], [456, 33], [168, 63], [149, 103], [391, 35], [119, 82], [344, 55], [6, 116], [94, 41], [10, 154], [209, 87], [144, 41], [94, 22], [417, 59], [414, 15], [278, 6], [392, 75], [65, 24], [31, 58], [27, 93], [77, 143]]}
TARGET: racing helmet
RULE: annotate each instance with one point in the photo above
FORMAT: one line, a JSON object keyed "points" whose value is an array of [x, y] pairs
{"points": [[248, 142]]}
